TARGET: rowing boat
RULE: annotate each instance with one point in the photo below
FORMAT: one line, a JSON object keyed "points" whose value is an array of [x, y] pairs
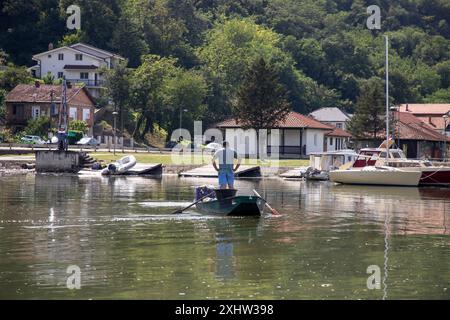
{"points": [[227, 203], [234, 206]]}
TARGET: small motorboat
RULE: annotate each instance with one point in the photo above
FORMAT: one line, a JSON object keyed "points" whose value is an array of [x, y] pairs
{"points": [[225, 202], [121, 166]]}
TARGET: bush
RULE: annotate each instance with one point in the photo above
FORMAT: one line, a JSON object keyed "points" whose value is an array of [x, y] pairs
{"points": [[78, 125], [157, 138], [38, 127], [6, 136]]}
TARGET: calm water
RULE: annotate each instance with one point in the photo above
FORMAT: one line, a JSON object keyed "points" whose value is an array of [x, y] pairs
{"points": [[127, 245]]}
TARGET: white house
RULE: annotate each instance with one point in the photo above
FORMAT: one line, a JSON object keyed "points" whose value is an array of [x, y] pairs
{"points": [[79, 63], [333, 116], [298, 136]]}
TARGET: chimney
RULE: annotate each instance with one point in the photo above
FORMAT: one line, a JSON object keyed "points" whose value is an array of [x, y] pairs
{"points": [[37, 84], [50, 46]]}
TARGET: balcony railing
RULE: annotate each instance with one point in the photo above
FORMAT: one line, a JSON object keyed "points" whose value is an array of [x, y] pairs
{"points": [[87, 82]]}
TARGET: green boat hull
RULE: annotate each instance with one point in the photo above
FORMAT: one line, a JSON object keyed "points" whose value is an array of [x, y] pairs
{"points": [[237, 206]]}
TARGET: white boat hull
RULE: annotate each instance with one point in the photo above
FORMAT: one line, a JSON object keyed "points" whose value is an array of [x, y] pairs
{"points": [[121, 166], [376, 177]]}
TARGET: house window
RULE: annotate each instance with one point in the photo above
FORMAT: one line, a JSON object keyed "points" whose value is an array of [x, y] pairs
{"points": [[331, 141], [86, 114], [49, 56], [78, 57], [61, 56], [84, 75], [73, 113], [17, 111], [339, 125], [36, 112], [60, 75]]}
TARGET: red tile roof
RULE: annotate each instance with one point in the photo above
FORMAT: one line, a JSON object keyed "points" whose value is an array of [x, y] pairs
{"points": [[437, 123], [42, 94], [338, 132], [294, 120], [410, 127], [425, 108]]}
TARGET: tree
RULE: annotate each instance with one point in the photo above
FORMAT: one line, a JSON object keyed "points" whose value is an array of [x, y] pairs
{"points": [[440, 96], [186, 90], [13, 76], [261, 99], [117, 83], [38, 127], [147, 96], [443, 69], [368, 119], [3, 57]]}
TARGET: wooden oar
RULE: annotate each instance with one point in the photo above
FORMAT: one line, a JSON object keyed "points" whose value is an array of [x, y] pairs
{"points": [[194, 203], [274, 212]]}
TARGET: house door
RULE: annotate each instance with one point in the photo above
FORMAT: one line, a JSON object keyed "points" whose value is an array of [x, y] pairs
{"points": [[36, 112], [95, 79]]}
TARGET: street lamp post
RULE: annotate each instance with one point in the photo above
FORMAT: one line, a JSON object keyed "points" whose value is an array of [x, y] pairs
{"points": [[445, 134], [115, 113], [181, 115]]}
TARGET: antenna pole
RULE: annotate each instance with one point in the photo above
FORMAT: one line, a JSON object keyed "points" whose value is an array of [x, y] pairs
{"points": [[387, 97]]}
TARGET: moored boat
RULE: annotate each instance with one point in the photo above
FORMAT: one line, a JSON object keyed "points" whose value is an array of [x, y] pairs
{"points": [[386, 176], [431, 174], [121, 166]]}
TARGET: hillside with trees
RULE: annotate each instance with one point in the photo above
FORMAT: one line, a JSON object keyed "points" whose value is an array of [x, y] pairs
{"points": [[194, 54]]}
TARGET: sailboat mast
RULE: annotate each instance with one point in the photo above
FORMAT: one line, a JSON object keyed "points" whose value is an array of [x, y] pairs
{"points": [[387, 97]]}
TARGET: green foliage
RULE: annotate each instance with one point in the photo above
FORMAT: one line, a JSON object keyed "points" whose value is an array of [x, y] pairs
{"points": [[78, 125], [38, 127], [368, 119], [157, 137], [49, 78], [440, 96], [70, 38], [7, 136], [443, 69], [12, 76], [147, 95], [185, 91], [2, 102], [118, 89], [321, 50], [261, 99], [3, 57]]}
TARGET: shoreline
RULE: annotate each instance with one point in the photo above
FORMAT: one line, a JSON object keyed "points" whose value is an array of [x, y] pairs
{"points": [[17, 165]]}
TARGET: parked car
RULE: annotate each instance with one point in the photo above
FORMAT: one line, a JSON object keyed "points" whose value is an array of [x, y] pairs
{"points": [[32, 139], [88, 141], [212, 147]]}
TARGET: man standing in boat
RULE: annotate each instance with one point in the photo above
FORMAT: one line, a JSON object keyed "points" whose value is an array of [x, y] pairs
{"points": [[226, 168]]}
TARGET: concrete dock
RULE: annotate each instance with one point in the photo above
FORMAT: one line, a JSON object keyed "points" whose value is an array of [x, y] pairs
{"points": [[208, 171]]}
